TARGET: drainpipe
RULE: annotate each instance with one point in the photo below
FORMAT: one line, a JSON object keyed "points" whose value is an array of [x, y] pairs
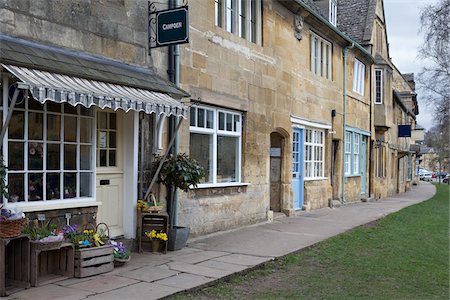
{"points": [[369, 189], [344, 117], [174, 76]]}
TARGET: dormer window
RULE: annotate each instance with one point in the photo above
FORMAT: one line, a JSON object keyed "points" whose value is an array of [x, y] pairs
{"points": [[332, 9]]}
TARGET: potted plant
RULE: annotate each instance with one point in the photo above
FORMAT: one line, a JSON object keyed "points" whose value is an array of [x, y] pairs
{"points": [[178, 172], [156, 238], [121, 253]]}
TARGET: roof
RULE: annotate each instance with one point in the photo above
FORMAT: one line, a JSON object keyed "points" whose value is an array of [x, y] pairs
{"points": [[355, 18], [29, 54]]}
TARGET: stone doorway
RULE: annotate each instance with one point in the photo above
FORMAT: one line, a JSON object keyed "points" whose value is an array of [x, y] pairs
{"points": [[276, 162]]}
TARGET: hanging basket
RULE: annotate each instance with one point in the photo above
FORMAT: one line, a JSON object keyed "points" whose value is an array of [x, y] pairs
{"points": [[11, 228]]}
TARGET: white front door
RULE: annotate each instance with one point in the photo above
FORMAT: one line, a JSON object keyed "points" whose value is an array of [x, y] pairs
{"points": [[109, 170]]}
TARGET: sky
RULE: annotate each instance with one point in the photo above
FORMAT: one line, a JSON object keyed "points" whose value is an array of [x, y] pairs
{"points": [[403, 26]]}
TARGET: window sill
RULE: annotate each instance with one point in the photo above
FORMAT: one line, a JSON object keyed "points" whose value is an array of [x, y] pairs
{"points": [[220, 185], [316, 178], [52, 205], [352, 175]]}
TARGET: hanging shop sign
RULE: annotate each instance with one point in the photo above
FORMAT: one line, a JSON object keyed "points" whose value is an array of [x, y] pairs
{"points": [[404, 130], [169, 27]]}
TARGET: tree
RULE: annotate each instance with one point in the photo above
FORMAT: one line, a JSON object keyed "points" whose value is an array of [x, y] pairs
{"points": [[434, 79]]}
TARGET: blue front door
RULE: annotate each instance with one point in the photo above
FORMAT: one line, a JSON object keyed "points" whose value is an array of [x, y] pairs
{"points": [[297, 168], [363, 165]]}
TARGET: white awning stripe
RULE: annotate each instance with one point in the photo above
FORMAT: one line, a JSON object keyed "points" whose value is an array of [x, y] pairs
{"points": [[46, 86]]}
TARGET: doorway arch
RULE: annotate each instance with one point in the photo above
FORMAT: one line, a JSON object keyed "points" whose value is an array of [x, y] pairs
{"points": [[277, 162]]}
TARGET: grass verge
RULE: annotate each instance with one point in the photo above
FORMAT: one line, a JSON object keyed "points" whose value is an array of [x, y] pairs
{"points": [[402, 256]]}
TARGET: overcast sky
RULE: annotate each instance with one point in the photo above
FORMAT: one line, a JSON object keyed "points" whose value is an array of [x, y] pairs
{"points": [[403, 24]]}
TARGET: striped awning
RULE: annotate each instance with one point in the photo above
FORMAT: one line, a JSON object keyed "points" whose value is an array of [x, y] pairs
{"points": [[59, 88]]}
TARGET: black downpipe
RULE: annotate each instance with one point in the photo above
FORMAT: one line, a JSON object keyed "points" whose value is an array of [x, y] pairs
{"points": [[171, 131], [370, 140]]}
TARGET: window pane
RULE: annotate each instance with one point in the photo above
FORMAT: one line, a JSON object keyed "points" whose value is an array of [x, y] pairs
{"points": [[112, 158], [112, 121], [15, 188], [192, 116], [35, 125], [53, 127], [201, 146], [15, 156], [85, 111], [102, 120], [85, 157], [221, 121], [102, 158], [237, 123], [53, 156], [209, 119], [85, 184], [53, 186], [70, 129], [70, 157], [69, 109], [35, 186], [54, 107], [112, 139], [70, 182], [229, 122], [85, 130], [16, 123], [227, 159], [34, 104], [35, 156], [201, 117]]}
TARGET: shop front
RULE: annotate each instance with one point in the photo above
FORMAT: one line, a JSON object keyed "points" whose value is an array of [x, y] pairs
{"points": [[71, 130]]}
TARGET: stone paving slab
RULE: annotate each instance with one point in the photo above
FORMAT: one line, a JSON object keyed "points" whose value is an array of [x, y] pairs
{"points": [[51, 291], [197, 270], [244, 260], [101, 284], [200, 256], [149, 273], [222, 265], [142, 290], [185, 281]]}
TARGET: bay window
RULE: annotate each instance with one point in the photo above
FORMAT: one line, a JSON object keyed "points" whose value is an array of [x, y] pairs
{"points": [[215, 143]]}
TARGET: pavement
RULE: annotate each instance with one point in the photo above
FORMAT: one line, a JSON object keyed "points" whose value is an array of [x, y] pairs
{"points": [[211, 258]]}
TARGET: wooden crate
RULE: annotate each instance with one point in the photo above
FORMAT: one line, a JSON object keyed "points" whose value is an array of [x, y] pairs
{"points": [[51, 262], [14, 264], [148, 222], [94, 261]]}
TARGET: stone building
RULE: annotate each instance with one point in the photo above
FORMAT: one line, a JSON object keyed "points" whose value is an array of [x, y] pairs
{"points": [[282, 115], [393, 96], [268, 128], [85, 80]]}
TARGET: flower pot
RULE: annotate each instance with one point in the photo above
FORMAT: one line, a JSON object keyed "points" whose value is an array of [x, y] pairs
{"points": [[155, 245], [178, 237], [118, 262]]}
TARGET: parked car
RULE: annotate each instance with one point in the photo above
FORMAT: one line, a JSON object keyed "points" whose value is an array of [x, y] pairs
{"points": [[441, 174], [446, 179], [425, 175]]}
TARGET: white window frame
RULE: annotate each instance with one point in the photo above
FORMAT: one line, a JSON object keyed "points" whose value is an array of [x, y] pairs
{"points": [[314, 160], [236, 131], [356, 147], [358, 77], [62, 202], [332, 8], [240, 17], [348, 153], [352, 148], [321, 56], [378, 86]]}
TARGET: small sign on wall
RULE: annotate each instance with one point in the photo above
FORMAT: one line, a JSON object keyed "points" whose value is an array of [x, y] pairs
{"points": [[275, 152], [404, 130]]}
